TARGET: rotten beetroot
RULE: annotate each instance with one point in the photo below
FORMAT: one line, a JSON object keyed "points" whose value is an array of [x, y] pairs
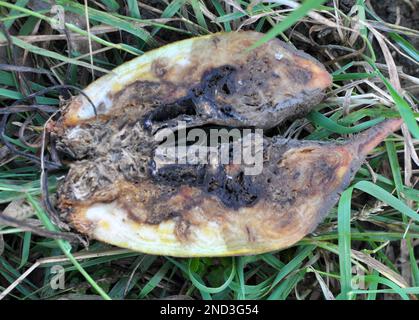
{"points": [[131, 187]]}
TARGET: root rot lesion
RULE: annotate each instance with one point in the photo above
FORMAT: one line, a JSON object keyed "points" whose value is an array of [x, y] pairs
{"points": [[115, 151]]}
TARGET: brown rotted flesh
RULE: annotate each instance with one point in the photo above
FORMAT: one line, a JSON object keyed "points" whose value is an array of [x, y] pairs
{"points": [[115, 152]]}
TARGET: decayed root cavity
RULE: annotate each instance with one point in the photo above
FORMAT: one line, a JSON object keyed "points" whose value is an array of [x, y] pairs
{"points": [[186, 204]]}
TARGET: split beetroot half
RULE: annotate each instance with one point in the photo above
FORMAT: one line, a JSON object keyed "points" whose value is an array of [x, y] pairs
{"points": [[127, 190]]}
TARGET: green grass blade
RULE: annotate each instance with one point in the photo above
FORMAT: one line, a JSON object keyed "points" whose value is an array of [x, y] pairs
{"points": [[109, 19], [295, 16], [332, 126], [392, 285], [156, 279], [403, 107], [405, 45], [386, 197], [292, 265], [344, 235], [198, 14], [395, 167], [197, 281], [65, 246], [133, 9], [25, 249]]}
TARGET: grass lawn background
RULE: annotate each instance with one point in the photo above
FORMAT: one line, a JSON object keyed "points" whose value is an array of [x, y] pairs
{"points": [[367, 247]]}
